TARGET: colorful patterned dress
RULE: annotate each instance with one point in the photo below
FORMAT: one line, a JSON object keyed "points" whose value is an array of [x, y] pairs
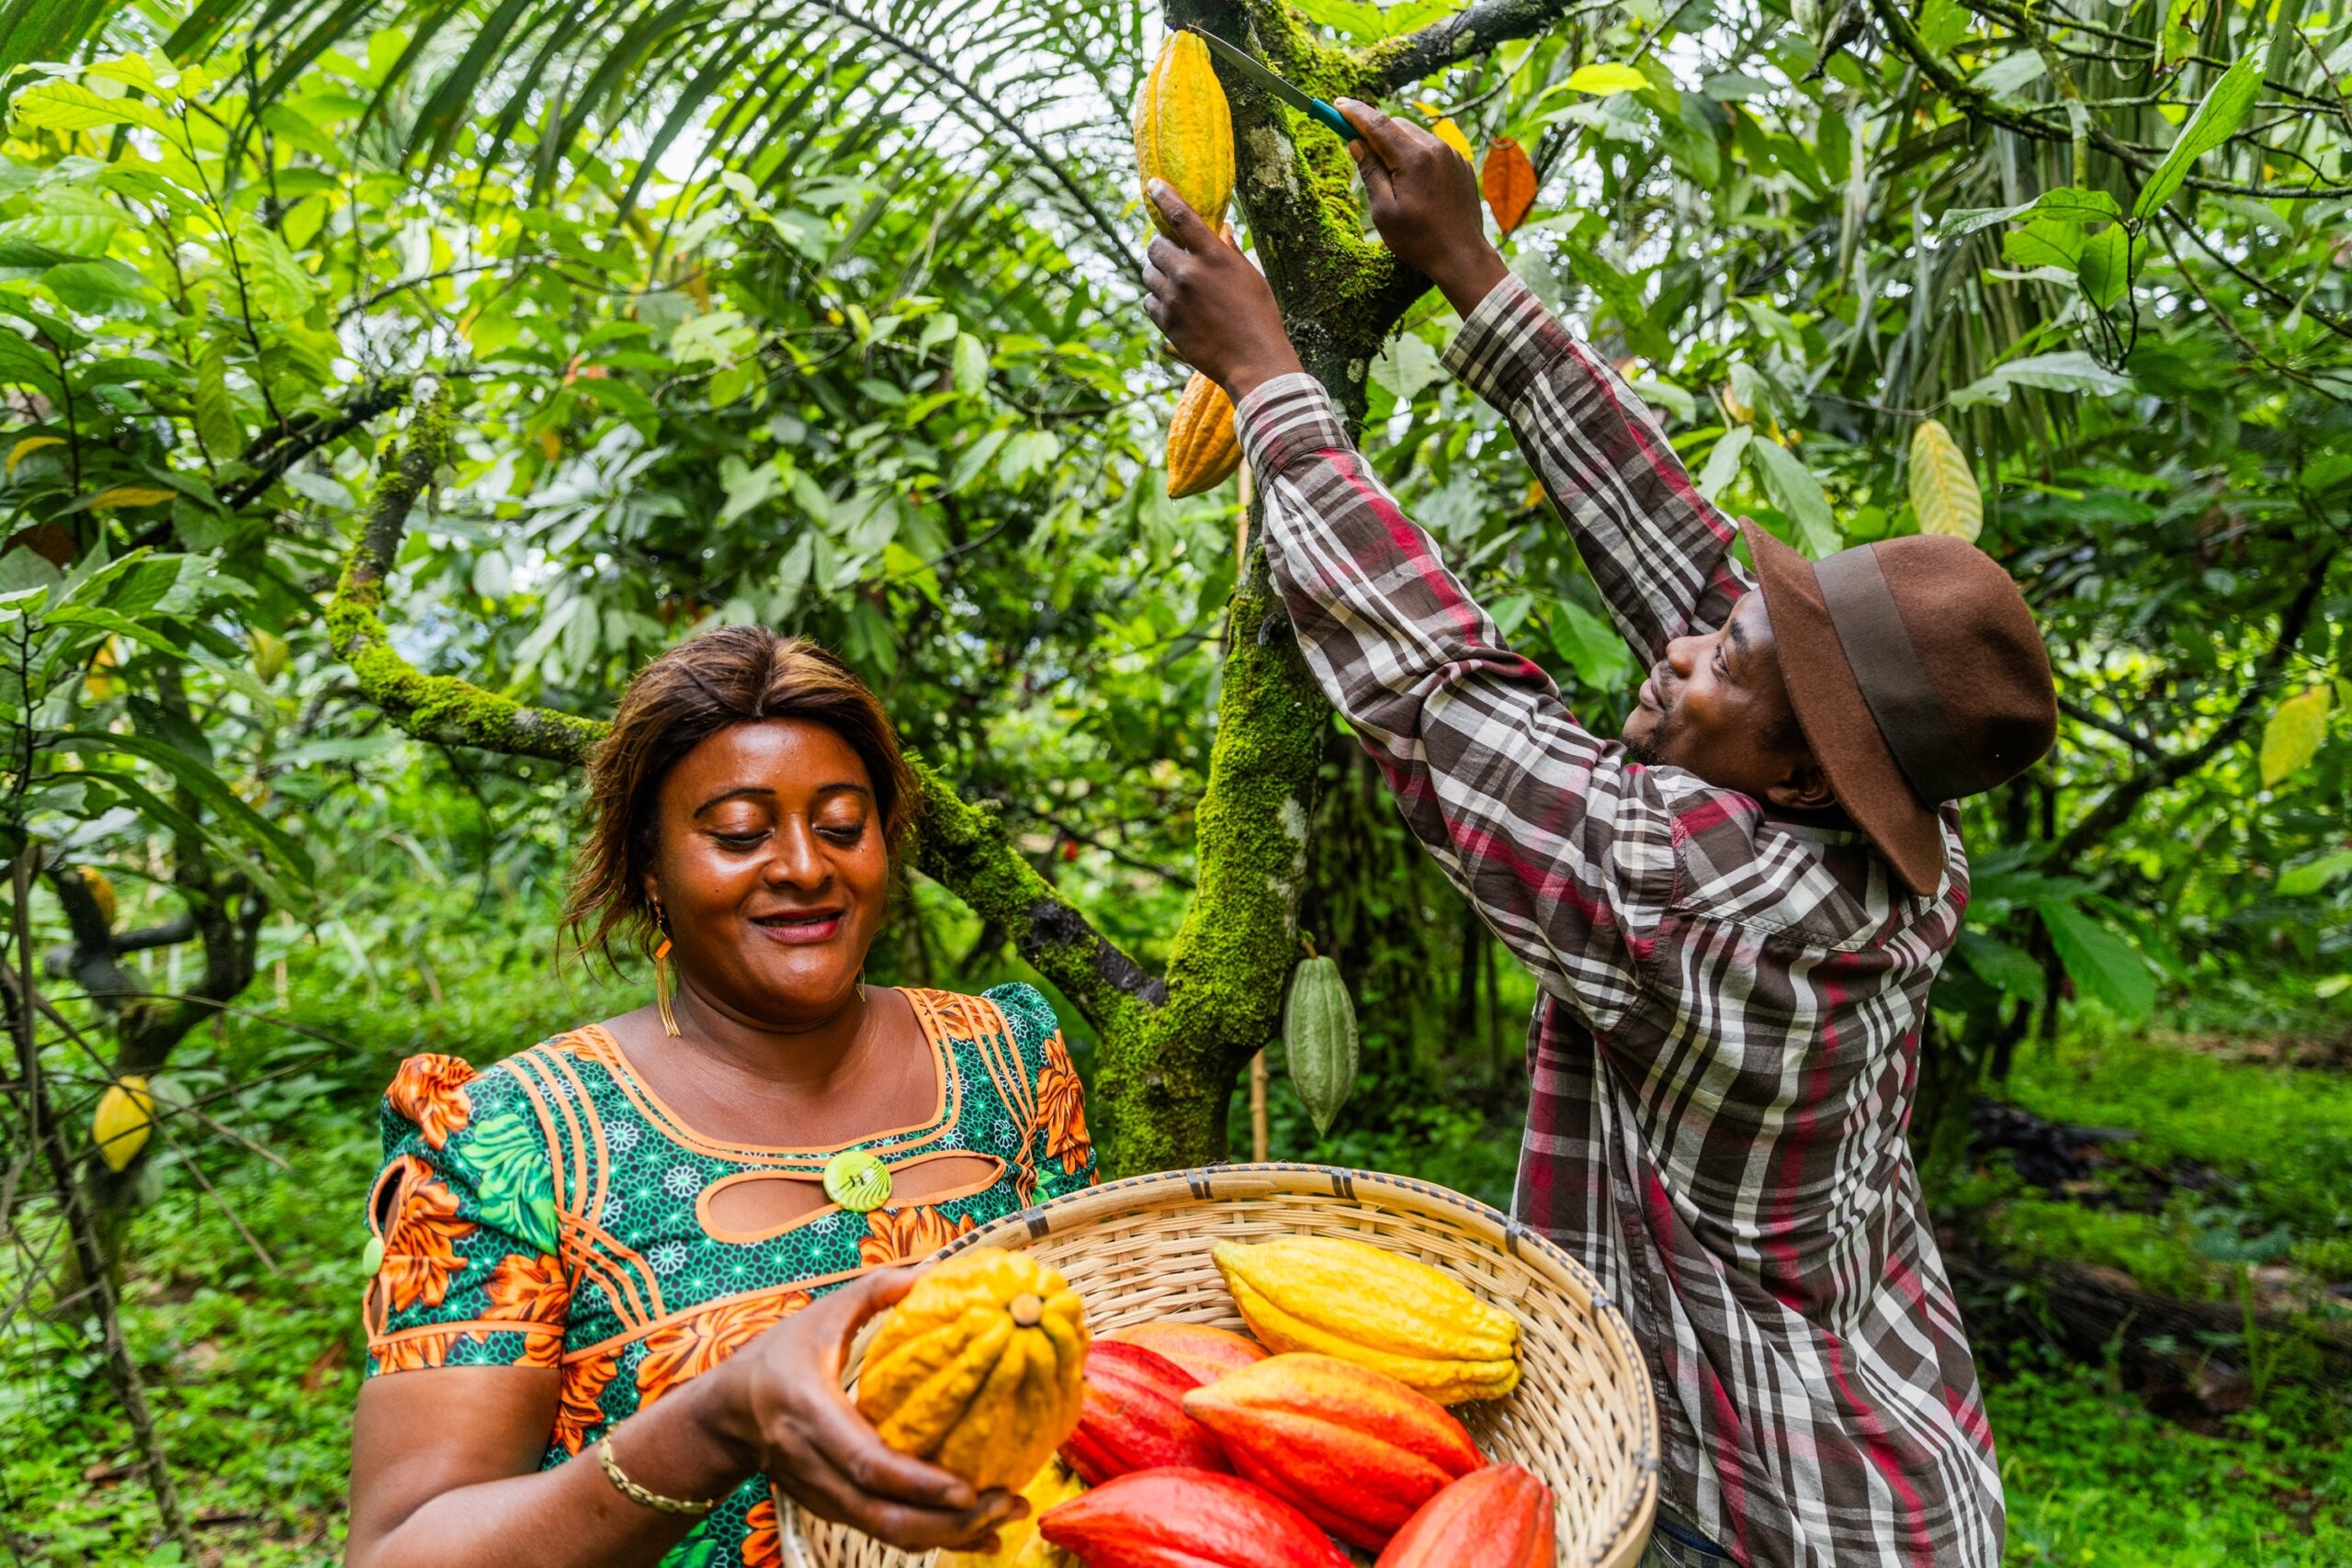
{"points": [[551, 1212]]}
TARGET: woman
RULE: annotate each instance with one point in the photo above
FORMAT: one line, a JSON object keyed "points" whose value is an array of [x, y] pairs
{"points": [[646, 1243]]}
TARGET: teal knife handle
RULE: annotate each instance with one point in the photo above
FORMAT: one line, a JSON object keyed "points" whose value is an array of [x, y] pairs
{"points": [[1336, 121]]}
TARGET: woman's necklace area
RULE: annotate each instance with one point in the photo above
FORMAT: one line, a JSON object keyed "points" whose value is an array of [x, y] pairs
{"points": [[856, 1178]]}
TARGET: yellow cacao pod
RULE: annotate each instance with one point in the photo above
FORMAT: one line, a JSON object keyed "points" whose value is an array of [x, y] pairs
{"points": [[1376, 1308], [123, 1121], [101, 893], [1203, 450], [981, 1369], [1183, 131], [1018, 1544]]}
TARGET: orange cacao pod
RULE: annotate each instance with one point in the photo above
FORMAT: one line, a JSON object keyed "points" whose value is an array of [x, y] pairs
{"points": [[1207, 1353], [1184, 131], [1203, 450], [1354, 1450], [1496, 1518], [1134, 1418], [1186, 1518]]}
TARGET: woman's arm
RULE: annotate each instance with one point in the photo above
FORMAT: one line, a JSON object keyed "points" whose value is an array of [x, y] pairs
{"points": [[445, 1461]]}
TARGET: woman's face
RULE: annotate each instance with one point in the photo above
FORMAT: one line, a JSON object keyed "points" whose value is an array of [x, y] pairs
{"points": [[770, 863]]}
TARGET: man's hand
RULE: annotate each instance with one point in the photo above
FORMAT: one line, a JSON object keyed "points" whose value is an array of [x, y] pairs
{"points": [[1214, 307], [1425, 202]]}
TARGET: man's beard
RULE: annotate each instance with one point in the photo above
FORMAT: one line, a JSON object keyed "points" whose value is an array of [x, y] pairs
{"points": [[1650, 750]]}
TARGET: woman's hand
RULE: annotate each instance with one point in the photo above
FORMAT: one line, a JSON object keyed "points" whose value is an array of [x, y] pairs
{"points": [[1424, 199], [779, 1404], [1214, 307]]}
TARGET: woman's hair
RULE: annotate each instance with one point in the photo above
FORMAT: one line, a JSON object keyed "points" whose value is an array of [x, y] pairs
{"points": [[725, 677]]}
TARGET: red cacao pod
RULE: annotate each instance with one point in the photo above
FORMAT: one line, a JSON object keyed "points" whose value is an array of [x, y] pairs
{"points": [[1134, 1417], [1186, 1518], [1496, 1518], [1354, 1450], [1207, 1353]]}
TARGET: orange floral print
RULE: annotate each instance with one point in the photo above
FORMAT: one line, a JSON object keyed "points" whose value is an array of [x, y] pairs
{"points": [[415, 1352], [420, 1244], [577, 1410], [895, 1236], [763, 1537], [430, 1090], [694, 1344], [529, 1289], [1061, 1109]]}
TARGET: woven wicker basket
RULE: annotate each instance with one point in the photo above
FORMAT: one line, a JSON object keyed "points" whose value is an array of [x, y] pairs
{"points": [[1583, 1418]]}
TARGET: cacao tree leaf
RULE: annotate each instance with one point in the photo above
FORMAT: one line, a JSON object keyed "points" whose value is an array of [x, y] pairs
{"points": [[2292, 737], [2216, 120], [2070, 371], [129, 495], [1606, 79], [1509, 181], [2105, 270], [2298, 881], [1796, 492], [1943, 490], [2044, 242], [1445, 131], [1723, 462], [1405, 366], [69, 106], [2104, 966], [2002, 965], [28, 447]]}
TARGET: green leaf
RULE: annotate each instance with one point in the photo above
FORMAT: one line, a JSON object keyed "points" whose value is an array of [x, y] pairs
{"points": [[216, 410], [1796, 492], [1723, 462], [2105, 270], [2292, 737], [970, 364], [2314, 874], [2044, 242], [207, 787], [2104, 967], [1405, 366], [2070, 371], [53, 239], [1606, 79], [1590, 646], [1944, 490], [2002, 965], [2216, 120], [69, 106]]}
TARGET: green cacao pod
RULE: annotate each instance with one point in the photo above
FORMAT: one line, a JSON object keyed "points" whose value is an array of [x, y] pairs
{"points": [[1319, 1040]]}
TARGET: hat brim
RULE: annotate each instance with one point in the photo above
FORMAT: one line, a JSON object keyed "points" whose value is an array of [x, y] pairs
{"points": [[1836, 720]]}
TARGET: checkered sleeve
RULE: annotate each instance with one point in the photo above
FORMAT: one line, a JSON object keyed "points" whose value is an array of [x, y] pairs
{"points": [[1565, 847], [1659, 550]]}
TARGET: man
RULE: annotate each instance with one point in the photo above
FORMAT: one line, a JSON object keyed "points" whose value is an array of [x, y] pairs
{"points": [[1734, 912]]}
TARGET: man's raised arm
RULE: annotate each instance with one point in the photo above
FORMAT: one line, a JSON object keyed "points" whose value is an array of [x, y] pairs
{"points": [[1659, 550]]}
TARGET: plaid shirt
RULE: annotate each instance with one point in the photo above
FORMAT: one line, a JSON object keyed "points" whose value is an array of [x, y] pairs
{"points": [[1725, 1049]]}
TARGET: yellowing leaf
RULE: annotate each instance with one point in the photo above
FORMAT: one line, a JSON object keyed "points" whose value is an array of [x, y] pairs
{"points": [[1445, 131], [1509, 182], [1944, 491], [130, 495], [28, 447], [2292, 737], [123, 1121], [1607, 79]]}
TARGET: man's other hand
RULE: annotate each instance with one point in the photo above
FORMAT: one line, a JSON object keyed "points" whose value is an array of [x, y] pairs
{"points": [[1215, 307], [1424, 199]]}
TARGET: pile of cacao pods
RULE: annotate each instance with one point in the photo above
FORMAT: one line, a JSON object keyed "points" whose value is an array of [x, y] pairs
{"points": [[1178, 1445]]}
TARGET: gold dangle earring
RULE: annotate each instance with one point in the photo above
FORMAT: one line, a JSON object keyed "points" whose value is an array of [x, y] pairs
{"points": [[861, 982], [661, 981]]}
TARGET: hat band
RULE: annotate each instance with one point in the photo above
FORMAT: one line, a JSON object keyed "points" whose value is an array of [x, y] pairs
{"points": [[1894, 686]]}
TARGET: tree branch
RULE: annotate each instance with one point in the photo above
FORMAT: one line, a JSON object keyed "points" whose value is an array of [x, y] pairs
{"points": [[1469, 33], [2118, 804], [964, 847], [2116, 727]]}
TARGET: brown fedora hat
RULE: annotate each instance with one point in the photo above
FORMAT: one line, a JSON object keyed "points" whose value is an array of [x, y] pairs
{"points": [[1917, 675]]}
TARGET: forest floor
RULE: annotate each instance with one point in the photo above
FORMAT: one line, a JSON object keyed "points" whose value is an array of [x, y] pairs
{"points": [[2235, 1188]]}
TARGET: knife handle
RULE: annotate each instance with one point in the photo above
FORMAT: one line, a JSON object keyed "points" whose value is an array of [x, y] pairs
{"points": [[1334, 122]]}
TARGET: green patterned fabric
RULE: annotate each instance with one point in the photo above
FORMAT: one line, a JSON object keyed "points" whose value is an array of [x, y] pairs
{"points": [[551, 1212]]}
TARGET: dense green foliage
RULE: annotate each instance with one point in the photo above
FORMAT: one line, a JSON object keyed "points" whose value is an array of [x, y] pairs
{"points": [[821, 316]]}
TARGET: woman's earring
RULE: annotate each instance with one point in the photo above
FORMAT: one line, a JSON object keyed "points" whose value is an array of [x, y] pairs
{"points": [[861, 982], [661, 981]]}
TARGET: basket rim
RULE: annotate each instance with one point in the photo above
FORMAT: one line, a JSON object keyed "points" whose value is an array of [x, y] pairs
{"points": [[1202, 1184]]}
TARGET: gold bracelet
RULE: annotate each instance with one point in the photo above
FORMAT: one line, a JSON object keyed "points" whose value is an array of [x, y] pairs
{"points": [[638, 1495]]}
